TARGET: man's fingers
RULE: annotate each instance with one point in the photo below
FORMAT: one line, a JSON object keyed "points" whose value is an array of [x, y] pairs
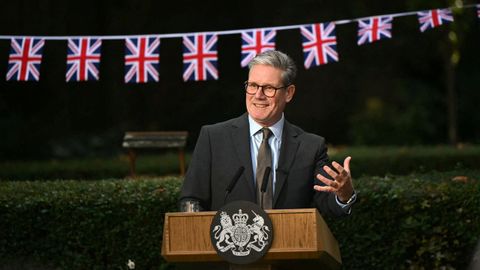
{"points": [[342, 171], [337, 166], [323, 188], [325, 180], [341, 184], [330, 172], [346, 163]]}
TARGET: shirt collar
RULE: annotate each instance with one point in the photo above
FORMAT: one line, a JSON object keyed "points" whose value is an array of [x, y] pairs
{"points": [[277, 128]]}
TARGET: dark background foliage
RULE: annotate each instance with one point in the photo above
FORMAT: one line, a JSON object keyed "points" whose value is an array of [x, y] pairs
{"points": [[390, 92]]}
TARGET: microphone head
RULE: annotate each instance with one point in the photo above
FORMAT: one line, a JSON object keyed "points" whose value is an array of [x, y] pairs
{"points": [[239, 172], [235, 178]]}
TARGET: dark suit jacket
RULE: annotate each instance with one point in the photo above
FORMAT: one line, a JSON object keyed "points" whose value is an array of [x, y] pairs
{"points": [[223, 148]]}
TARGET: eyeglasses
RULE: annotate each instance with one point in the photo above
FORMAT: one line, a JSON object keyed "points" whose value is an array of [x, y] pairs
{"points": [[267, 90]]}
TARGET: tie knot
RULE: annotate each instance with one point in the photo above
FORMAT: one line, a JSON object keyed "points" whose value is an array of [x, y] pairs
{"points": [[266, 133]]}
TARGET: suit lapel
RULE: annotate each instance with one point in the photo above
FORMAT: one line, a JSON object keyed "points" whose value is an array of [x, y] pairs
{"points": [[287, 156], [240, 133]]}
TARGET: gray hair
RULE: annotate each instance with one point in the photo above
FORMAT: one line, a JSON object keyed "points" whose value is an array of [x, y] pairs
{"points": [[279, 60]]}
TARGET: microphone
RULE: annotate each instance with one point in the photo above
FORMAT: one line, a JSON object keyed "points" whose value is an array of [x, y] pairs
{"points": [[263, 188], [233, 182]]}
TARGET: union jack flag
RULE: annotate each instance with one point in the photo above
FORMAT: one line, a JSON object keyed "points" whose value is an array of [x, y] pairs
{"points": [[319, 44], [200, 57], [373, 29], [142, 59], [83, 59], [432, 18], [25, 59], [255, 42]]}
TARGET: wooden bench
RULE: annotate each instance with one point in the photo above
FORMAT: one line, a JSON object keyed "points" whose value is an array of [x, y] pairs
{"points": [[135, 140]]}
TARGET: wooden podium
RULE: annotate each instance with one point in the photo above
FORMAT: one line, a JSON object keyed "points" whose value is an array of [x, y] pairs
{"points": [[302, 240]]}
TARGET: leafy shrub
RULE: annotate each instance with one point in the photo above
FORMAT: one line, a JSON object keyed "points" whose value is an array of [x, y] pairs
{"points": [[419, 221], [90, 168], [366, 161], [412, 222], [405, 160], [86, 225]]}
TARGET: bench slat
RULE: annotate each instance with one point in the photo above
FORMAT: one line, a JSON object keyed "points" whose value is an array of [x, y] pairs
{"points": [[155, 139]]}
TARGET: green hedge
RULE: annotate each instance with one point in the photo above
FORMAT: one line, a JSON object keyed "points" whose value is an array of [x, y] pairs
{"points": [[85, 225], [366, 161], [423, 221], [148, 163], [418, 221], [405, 160]]}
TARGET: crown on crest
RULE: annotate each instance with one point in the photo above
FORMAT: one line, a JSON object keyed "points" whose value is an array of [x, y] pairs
{"points": [[240, 218]]}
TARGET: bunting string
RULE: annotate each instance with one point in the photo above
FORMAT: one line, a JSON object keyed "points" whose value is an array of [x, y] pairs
{"points": [[199, 48]]}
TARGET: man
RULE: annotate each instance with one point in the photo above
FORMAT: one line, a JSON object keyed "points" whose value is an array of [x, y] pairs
{"points": [[301, 175]]}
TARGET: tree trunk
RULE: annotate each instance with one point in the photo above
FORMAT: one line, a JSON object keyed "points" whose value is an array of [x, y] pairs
{"points": [[451, 100]]}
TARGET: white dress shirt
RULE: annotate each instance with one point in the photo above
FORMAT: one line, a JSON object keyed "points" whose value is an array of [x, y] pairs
{"points": [[275, 141]]}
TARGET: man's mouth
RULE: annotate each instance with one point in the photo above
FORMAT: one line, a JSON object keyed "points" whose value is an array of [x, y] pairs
{"points": [[258, 105]]}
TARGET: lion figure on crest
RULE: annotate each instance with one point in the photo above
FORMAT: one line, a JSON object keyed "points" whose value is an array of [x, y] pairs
{"points": [[222, 233]]}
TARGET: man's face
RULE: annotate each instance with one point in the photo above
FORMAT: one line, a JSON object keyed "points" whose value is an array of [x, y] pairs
{"points": [[267, 110]]}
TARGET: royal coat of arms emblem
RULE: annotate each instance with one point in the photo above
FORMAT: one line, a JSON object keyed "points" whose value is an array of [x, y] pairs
{"points": [[242, 233]]}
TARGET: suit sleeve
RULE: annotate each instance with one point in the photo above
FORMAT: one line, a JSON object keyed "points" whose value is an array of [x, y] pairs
{"points": [[325, 202], [196, 185]]}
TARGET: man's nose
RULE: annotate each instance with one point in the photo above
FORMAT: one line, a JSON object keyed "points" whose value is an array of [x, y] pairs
{"points": [[259, 94]]}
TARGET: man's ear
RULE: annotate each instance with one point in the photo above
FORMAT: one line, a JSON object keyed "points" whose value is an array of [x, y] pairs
{"points": [[290, 92]]}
